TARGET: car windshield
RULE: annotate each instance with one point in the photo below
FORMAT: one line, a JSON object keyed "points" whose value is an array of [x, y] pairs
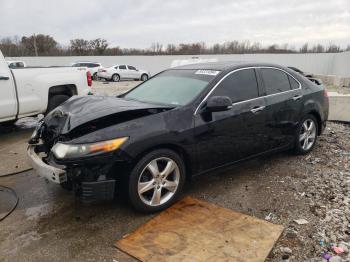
{"points": [[172, 87]]}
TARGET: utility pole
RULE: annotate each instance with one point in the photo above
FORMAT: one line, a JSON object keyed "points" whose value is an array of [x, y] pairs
{"points": [[35, 47]]}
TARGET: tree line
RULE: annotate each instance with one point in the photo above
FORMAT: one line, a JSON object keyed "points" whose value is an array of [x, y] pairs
{"points": [[46, 45]]}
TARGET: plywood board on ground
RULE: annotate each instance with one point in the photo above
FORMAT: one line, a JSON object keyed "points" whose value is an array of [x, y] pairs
{"points": [[195, 230]]}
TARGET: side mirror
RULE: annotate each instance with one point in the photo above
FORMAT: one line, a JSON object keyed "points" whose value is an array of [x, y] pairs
{"points": [[218, 104]]}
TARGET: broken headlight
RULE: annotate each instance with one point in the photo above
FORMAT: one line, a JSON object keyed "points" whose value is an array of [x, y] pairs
{"points": [[61, 150]]}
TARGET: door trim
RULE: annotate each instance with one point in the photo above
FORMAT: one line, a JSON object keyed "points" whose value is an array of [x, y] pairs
{"points": [[245, 68]]}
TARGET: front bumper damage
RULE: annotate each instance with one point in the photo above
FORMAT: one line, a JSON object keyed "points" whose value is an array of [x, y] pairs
{"points": [[51, 173], [88, 190]]}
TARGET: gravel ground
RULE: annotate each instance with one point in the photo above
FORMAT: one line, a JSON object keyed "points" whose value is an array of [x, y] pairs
{"points": [[280, 188], [107, 88]]}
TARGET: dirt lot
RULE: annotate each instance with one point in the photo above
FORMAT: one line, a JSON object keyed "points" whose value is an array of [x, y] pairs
{"points": [[112, 88], [280, 188]]}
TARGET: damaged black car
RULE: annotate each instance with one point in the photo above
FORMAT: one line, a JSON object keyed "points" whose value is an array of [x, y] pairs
{"points": [[180, 123]]}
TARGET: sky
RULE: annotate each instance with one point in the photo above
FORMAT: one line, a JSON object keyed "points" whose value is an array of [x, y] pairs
{"points": [[138, 24]]}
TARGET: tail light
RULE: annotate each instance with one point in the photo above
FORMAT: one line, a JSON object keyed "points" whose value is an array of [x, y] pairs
{"points": [[325, 93], [89, 79]]}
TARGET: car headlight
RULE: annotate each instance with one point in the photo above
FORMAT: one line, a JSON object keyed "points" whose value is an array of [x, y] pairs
{"points": [[61, 150]]}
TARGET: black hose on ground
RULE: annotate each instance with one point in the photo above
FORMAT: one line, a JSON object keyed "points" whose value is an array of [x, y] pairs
{"points": [[10, 190]]}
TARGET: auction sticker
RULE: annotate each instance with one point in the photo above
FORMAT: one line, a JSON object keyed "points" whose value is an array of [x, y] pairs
{"points": [[207, 72]]}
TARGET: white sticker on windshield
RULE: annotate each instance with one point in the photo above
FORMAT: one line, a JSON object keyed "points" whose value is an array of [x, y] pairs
{"points": [[207, 72]]}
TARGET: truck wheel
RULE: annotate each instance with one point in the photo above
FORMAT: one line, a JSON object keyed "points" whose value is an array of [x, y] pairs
{"points": [[55, 101], [156, 181], [95, 77]]}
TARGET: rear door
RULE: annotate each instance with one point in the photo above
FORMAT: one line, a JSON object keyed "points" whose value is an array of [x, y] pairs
{"points": [[123, 72], [228, 136], [8, 101], [283, 105]]}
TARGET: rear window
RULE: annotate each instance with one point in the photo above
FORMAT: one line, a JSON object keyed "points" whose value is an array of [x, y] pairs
{"points": [[239, 86], [131, 68], [293, 83], [122, 67], [276, 81]]}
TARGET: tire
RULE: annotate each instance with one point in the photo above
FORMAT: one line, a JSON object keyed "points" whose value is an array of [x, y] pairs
{"points": [[305, 140], [144, 77], [95, 77], [168, 188], [115, 78], [67, 185], [55, 101]]}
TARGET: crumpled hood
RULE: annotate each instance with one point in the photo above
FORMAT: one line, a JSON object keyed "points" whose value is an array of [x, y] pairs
{"points": [[79, 110]]}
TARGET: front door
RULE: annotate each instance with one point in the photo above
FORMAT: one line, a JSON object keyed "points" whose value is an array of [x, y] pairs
{"points": [[229, 136], [8, 102], [133, 73]]}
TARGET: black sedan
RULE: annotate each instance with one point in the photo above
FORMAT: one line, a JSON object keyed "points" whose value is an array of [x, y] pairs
{"points": [[180, 123]]}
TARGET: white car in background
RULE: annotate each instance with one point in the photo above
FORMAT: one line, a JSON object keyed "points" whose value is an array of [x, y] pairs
{"points": [[16, 64], [123, 72], [92, 67]]}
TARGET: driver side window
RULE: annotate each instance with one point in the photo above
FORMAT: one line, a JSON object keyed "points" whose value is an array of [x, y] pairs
{"points": [[239, 86]]}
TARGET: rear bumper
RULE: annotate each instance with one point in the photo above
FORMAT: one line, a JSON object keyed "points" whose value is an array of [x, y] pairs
{"points": [[53, 174]]}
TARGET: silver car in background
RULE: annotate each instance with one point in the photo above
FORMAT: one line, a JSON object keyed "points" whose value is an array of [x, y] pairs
{"points": [[123, 72]]}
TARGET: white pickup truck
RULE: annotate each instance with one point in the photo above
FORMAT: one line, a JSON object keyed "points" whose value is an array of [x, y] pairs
{"points": [[30, 91]]}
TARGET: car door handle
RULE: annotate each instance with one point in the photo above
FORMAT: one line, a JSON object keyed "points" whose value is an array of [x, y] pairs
{"points": [[297, 97], [4, 78], [257, 109]]}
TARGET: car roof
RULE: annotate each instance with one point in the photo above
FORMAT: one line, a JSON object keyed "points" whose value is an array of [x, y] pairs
{"points": [[225, 65], [86, 62]]}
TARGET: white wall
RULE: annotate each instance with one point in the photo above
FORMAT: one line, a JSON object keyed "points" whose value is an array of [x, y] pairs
{"points": [[323, 63]]}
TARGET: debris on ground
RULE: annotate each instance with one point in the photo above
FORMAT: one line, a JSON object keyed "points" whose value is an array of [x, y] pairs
{"points": [[301, 221]]}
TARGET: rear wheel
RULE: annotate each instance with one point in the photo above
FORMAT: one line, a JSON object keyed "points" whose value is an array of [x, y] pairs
{"points": [[55, 101], [95, 77], [306, 135], [115, 78], [156, 181]]}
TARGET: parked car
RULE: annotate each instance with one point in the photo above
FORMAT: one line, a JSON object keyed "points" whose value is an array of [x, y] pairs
{"points": [[309, 76], [123, 72], [93, 67], [182, 122], [32, 91], [16, 64]]}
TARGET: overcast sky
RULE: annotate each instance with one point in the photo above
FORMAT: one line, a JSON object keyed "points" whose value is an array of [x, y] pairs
{"points": [[132, 23]]}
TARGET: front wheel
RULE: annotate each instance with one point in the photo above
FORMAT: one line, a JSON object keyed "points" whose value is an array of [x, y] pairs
{"points": [[156, 181], [306, 135], [144, 77]]}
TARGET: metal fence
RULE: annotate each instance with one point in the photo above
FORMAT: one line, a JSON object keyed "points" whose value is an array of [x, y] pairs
{"points": [[322, 63]]}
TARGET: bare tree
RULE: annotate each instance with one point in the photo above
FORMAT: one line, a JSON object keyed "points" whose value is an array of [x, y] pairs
{"points": [[80, 46], [98, 46], [304, 48]]}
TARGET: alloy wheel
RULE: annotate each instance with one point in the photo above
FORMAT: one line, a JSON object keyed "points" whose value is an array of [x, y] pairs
{"points": [[158, 181], [307, 135], [115, 78]]}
